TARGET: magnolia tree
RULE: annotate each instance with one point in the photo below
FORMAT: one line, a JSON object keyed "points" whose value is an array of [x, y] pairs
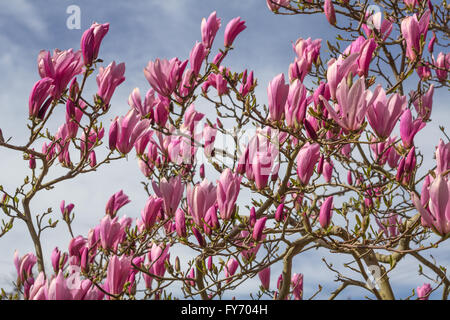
{"points": [[320, 161]]}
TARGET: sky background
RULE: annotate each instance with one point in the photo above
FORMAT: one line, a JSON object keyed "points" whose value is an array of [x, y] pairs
{"points": [[141, 31]]}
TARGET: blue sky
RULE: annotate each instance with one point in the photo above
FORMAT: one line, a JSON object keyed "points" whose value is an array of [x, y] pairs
{"points": [[141, 31]]}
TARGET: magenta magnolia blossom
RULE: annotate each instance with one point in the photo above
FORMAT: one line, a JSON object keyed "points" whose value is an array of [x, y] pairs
{"points": [[409, 128], [209, 29], [40, 98], [412, 31], [115, 202], [232, 30], [352, 105], [117, 274], [424, 291], [163, 75], [171, 191], [91, 40], [306, 161], [383, 113], [277, 93], [61, 67], [199, 199], [109, 79], [228, 187], [124, 131], [436, 212], [326, 212]]}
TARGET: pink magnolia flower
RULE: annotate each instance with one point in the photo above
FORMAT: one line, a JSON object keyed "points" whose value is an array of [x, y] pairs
{"points": [[277, 93], [180, 223], [230, 268], [436, 213], [228, 187], [62, 66], [274, 5], [143, 109], [171, 191], [117, 274], [258, 229], [264, 276], [352, 105], [328, 9], [209, 136], [423, 103], [115, 202], [24, 265], [442, 157], [338, 71], [409, 128], [424, 291], [199, 199], [295, 107], [110, 232], [197, 56], [124, 131], [232, 30], [442, 64], [384, 113], [297, 286], [40, 98], [57, 289], [108, 79], [306, 161], [91, 40], [248, 83], [157, 257], [326, 212], [39, 289], [209, 29], [376, 22], [307, 49], [412, 30], [163, 75], [151, 211]]}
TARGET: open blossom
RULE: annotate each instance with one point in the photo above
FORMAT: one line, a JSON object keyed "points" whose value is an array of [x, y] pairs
{"points": [[409, 128], [124, 131], [376, 22], [163, 75], [91, 40], [338, 71], [108, 79], [352, 105], [436, 211], [307, 49], [171, 191], [383, 113], [62, 66], [24, 265], [115, 202], [143, 108]]}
